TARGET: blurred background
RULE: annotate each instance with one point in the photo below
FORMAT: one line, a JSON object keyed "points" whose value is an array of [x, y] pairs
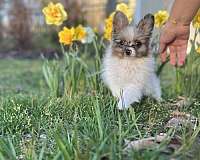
{"points": [[24, 34]]}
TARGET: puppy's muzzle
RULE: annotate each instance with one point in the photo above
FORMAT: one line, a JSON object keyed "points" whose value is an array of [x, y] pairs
{"points": [[128, 51]]}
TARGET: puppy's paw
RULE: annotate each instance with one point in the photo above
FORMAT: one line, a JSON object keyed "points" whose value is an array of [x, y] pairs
{"points": [[122, 106], [159, 100], [157, 97], [129, 96]]}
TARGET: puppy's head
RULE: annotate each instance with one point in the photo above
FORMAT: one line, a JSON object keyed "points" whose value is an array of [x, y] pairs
{"points": [[130, 41]]}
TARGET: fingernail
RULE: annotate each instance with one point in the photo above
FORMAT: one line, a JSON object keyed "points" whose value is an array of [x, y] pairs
{"points": [[180, 63], [172, 63]]}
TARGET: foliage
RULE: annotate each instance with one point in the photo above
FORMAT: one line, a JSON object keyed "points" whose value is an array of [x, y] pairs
{"points": [[71, 74]]}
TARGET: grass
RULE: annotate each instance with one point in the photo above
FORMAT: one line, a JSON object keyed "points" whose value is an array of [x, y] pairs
{"points": [[35, 125]]}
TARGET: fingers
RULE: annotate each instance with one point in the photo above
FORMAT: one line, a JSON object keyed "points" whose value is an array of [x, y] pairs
{"points": [[181, 54], [176, 40], [165, 40], [162, 50], [177, 55], [163, 56], [173, 52], [162, 47]]}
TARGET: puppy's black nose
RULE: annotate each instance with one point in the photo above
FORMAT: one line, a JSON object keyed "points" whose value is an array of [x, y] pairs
{"points": [[128, 51]]}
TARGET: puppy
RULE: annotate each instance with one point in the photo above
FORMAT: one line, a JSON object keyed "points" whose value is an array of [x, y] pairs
{"points": [[128, 65]]}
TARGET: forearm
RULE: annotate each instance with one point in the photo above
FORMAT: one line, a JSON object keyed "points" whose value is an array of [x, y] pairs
{"points": [[183, 11]]}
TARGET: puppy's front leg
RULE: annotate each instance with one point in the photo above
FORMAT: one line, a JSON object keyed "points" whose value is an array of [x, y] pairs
{"points": [[128, 96]]}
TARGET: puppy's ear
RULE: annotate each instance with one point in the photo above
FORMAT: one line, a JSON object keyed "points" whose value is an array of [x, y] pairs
{"points": [[120, 21], [146, 24]]}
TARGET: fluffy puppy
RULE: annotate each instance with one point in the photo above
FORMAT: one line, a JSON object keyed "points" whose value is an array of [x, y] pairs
{"points": [[128, 65]]}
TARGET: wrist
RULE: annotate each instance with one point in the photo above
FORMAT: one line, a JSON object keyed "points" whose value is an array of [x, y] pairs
{"points": [[179, 21], [174, 26]]}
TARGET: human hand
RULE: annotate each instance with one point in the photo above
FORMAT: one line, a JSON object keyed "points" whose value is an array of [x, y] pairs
{"points": [[175, 37]]}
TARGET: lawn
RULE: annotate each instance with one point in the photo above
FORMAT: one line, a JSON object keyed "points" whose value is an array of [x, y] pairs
{"points": [[36, 125], [60, 109]]}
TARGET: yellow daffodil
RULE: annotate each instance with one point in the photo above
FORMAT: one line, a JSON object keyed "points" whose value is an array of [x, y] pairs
{"points": [[108, 27], [108, 34], [66, 36], [160, 18], [196, 20], [80, 33], [198, 50], [108, 22], [95, 30], [126, 10], [55, 14]]}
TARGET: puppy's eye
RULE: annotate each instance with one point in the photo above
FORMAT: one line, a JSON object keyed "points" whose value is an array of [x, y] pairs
{"points": [[138, 43], [121, 42]]}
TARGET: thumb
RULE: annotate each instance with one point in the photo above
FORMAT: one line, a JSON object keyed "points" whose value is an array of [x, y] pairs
{"points": [[165, 39], [163, 56], [162, 47]]}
